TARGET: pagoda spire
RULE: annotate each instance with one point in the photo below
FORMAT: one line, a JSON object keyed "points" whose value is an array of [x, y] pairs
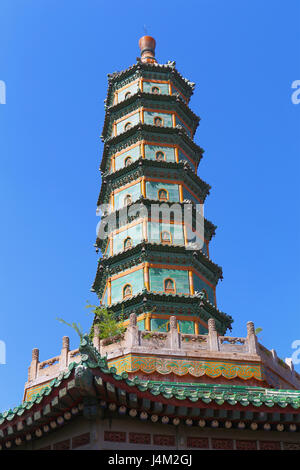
{"points": [[147, 46]]}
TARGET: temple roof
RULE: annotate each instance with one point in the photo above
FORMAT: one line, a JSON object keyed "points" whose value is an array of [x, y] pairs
{"points": [[64, 398]]}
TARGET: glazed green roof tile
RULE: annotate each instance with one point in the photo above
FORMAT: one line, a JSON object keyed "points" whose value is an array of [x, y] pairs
{"points": [[230, 393], [36, 398]]}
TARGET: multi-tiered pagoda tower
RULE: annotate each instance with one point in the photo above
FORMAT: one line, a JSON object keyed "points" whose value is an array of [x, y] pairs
{"points": [[154, 262]]}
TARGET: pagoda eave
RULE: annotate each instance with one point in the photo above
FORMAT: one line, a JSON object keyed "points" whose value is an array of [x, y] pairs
{"points": [[198, 306], [142, 99], [144, 250], [178, 130], [173, 135], [182, 172], [116, 77]]}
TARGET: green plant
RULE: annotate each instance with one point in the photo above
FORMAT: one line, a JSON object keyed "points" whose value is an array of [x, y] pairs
{"points": [[109, 326], [75, 326], [258, 330]]}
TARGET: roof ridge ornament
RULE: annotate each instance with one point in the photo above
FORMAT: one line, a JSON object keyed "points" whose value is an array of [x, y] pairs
{"points": [[171, 63]]}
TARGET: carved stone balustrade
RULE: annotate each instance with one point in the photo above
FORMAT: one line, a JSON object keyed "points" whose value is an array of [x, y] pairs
{"points": [[170, 343], [206, 347], [39, 372], [176, 342]]}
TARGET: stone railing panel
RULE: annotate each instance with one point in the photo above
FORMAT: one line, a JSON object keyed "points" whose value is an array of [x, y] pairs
{"points": [[154, 339], [285, 369], [53, 366], [194, 342], [49, 362]]}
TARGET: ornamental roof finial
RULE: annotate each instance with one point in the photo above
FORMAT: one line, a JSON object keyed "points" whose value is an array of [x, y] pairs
{"points": [[147, 45]]}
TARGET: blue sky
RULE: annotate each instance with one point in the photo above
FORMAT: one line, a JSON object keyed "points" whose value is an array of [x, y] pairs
{"points": [[55, 56]]}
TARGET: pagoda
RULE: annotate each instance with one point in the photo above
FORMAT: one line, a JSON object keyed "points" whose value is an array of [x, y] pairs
{"points": [[174, 379], [154, 261]]}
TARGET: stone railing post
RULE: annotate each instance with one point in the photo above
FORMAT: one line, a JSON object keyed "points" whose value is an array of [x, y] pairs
{"points": [[213, 340], [33, 369], [251, 338], [132, 331], [174, 343], [63, 359], [96, 339]]}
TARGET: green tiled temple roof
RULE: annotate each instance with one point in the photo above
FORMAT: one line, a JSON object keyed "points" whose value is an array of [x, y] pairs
{"points": [[92, 379], [193, 392], [231, 394]]}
